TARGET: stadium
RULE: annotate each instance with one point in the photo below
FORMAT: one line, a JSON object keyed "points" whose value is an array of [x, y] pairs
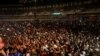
{"points": [[49, 28]]}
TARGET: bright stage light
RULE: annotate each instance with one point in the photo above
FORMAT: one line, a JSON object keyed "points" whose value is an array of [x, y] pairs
{"points": [[56, 13]]}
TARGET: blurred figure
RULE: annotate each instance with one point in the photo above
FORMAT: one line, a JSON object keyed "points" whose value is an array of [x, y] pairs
{"points": [[2, 52]]}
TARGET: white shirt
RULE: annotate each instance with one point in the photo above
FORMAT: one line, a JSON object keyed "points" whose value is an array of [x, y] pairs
{"points": [[28, 54]]}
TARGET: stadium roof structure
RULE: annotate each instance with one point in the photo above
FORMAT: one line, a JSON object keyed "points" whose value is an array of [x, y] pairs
{"points": [[46, 8]]}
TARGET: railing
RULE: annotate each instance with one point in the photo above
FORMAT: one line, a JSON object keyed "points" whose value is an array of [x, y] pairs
{"points": [[46, 17]]}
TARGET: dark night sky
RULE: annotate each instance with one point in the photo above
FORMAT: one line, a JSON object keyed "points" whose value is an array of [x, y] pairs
{"points": [[38, 1], [8, 1]]}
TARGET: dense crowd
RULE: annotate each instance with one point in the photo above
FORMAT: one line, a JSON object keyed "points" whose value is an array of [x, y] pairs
{"points": [[40, 38]]}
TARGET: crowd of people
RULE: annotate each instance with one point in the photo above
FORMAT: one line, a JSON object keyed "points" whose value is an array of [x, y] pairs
{"points": [[47, 38]]}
